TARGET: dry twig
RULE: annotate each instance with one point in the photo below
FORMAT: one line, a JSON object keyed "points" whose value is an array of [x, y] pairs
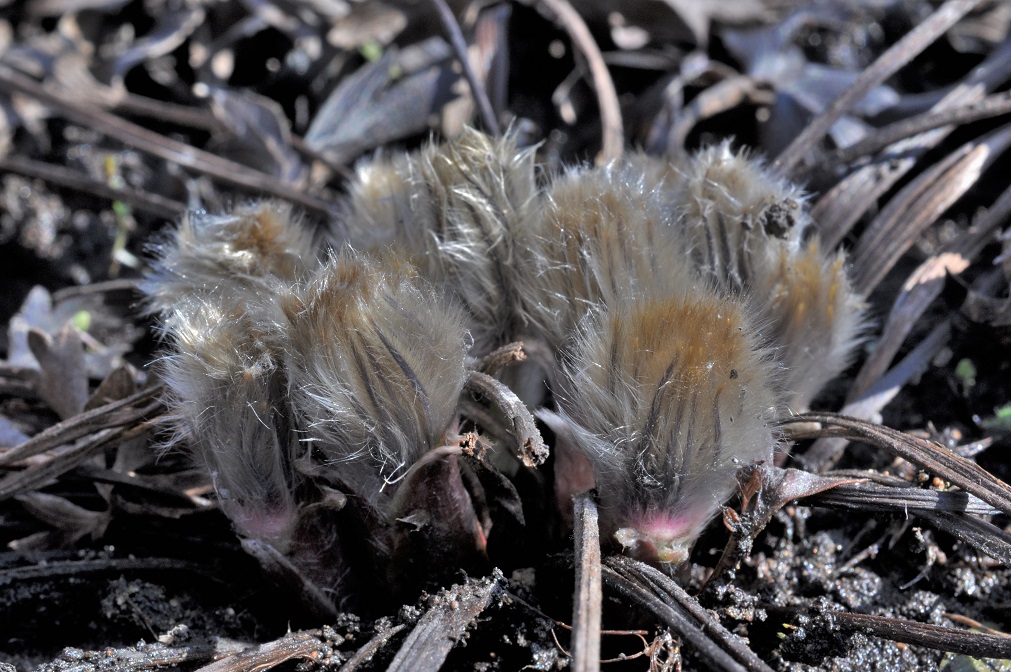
{"points": [[586, 608], [901, 53], [612, 127], [455, 35]]}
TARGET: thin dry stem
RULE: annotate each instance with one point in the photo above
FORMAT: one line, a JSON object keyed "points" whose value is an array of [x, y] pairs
{"points": [[612, 126], [890, 62]]}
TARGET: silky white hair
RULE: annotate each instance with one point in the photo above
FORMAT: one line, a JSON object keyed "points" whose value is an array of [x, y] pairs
{"points": [[604, 236], [687, 305], [750, 232], [283, 369], [460, 212], [224, 256], [226, 385], [376, 364], [667, 392]]}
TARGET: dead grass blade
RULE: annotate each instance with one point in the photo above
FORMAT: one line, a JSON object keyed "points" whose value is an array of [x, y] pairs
{"points": [[612, 127], [39, 474], [154, 204], [649, 588], [923, 286], [901, 499], [451, 613], [17, 381], [890, 62], [844, 204], [912, 365], [996, 105], [371, 647], [157, 496], [171, 150], [587, 606], [946, 511], [975, 644], [305, 645], [116, 414], [984, 536], [146, 656], [455, 36], [663, 584], [929, 456], [78, 568], [919, 204], [826, 451]]}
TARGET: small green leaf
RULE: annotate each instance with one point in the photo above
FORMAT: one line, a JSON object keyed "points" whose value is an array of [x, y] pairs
{"points": [[965, 371], [81, 320], [371, 51], [1000, 422]]}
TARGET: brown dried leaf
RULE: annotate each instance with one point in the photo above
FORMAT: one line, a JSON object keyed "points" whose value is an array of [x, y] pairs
{"points": [[36, 312], [371, 108], [377, 21], [70, 520], [63, 381], [450, 614], [260, 136], [119, 384], [919, 204], [174, 24]]}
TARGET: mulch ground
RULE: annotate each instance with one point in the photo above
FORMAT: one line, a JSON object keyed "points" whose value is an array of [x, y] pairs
{"points": [[865, 550]]}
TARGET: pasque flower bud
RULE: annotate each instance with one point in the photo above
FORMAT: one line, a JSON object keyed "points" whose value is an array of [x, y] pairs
{"points": [[684, 305], [749, 232], [225, 256], [212, 286], [376, 365], [294, 381], [702, 306], [606, 234], [667, 392], [461, 212]]}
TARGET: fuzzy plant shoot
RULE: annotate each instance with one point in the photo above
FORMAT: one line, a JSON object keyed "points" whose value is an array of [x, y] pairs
{"points": [[689, 306], [299, 383], [682, 306]]}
